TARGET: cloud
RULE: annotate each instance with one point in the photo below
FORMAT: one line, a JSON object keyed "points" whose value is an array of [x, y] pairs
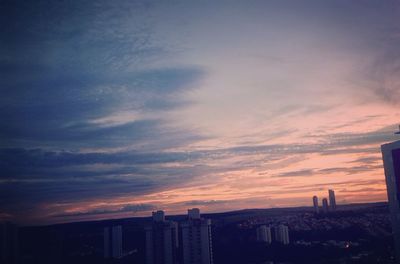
{"points": [[17, 162], [363, 190], [64, 114], [306, 172], [204, 202], [326, 171], [347, 183], [132, 208], [368, 160], [66, 175], [385, 69], [70, 64], [358, 139]]}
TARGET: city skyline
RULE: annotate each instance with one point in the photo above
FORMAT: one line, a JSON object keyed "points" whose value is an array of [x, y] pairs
{"points": [[112, 110]]}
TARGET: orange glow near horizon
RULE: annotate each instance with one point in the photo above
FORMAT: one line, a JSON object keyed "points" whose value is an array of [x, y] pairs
{"points": [[252, 188]]}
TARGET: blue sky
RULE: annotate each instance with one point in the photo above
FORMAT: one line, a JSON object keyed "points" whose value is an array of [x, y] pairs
{"points": [[116, 109]]}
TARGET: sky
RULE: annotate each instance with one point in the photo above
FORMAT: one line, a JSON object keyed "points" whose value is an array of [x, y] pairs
{"points": [[114, 109]]}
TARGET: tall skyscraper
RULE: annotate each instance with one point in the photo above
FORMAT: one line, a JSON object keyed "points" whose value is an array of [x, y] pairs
{"points": [[315, 203], [264, 234], [161, 240], [282, 234], [391, 161], [196, 239], [113, 242], [325, 205], [332, 200]]}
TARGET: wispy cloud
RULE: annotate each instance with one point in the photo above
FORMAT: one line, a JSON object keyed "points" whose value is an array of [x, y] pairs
{"points": [[131, 208]]}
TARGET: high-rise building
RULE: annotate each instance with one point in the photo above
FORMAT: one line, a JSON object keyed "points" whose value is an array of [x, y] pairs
{"points": [[325, 208], [264, 234], [8, 243], [112, 242], [161, 240], [282, 234], [315, 203], [391, 161], [332, 200], [196, 239]]}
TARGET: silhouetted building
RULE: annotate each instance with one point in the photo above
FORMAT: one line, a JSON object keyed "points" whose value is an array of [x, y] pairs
{"points": [[194, 213], [196, 239], [315, 203], [161, 240], [282, 234], [391, 160], [264, 234], [332, 200], [9, 243], [325, 208], [113, 242], [158, 216]]}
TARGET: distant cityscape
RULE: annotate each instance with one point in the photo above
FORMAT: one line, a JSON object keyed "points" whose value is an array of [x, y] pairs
{"points": [[280, 235], [190, 242]]}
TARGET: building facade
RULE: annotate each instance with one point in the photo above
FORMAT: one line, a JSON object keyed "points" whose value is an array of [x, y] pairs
{"points": [[161, 240], [391, 161], [325, 207], [315, 203], [196, 241], [332, 200], [264, 234], [9, 243], [113, 242], [282, 234]]}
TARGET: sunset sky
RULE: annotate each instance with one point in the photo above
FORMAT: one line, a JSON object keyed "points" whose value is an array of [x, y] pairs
{"points": [[117, 108]]}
